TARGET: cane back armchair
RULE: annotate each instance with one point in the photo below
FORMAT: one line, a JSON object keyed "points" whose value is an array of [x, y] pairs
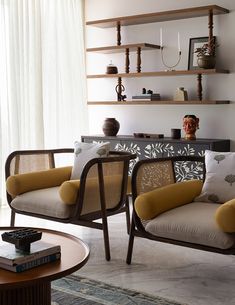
{"points": [[166, 211], [38, 187]]}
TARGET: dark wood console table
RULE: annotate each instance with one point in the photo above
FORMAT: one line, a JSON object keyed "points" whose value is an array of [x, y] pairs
{"points": [[146, 148]]}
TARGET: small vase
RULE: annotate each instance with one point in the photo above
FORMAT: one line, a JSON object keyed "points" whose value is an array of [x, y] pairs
{"points": [[181, 94], [111, 127], [206, 61]]}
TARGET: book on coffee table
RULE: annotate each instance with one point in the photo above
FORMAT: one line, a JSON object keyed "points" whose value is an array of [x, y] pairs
{"points": [[31, 264], [10, 256]]}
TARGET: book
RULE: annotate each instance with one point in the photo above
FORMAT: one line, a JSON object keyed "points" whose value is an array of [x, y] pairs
{"points": [[147, 97], [31, 264], [9, 255], [141, 99]]}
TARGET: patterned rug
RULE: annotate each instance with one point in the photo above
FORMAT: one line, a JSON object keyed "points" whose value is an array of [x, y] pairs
{"points": [[73, 290]]}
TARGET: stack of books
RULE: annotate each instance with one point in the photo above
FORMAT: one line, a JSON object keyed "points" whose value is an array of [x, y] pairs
{"points": [[40, 253], [147, 97]]}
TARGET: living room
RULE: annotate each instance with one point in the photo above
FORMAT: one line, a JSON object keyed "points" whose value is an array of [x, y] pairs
{"points": [[51, 97]]}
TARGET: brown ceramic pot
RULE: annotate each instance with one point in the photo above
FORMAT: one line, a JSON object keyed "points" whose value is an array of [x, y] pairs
{"points": [[111, 127], [206, 61]]}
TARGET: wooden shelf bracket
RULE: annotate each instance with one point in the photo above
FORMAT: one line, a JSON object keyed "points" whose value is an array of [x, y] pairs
{"points": [[199, 86], [118, 33], [127, 69], [210, 26], [138, 59]]}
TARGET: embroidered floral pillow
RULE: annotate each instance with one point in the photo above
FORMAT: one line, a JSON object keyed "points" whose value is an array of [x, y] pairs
{"points": [[83, 152], [219, 185]]}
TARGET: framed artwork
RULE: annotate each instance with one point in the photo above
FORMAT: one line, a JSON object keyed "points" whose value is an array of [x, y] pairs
{"points": [[195, 43]]}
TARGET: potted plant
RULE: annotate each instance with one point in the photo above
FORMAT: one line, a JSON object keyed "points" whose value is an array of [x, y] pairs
{"points": [[206, 55]]}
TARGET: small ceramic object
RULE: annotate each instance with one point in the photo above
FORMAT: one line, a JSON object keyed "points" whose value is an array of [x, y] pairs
{"points": [[111, 127], [181, 94], [175, 133], [206, 61], [111, 69]]}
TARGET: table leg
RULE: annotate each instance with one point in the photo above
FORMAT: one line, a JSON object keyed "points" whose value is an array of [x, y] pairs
{"points": [[39, 294]]}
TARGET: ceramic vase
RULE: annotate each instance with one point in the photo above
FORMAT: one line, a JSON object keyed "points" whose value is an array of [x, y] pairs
{"points": [[181, 94], [111, 127], [206, 62]]}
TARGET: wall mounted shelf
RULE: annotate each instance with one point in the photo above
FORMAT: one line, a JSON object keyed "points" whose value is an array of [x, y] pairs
{"points": [[159, 16], [118, 49], [161, 102], [161, 73], [192, 12]]}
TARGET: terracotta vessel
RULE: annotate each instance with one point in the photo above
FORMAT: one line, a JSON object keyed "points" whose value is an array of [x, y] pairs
{"points": [[111, 127]]}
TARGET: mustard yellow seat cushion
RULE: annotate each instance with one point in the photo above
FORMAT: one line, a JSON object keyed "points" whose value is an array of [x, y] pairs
{"points": [[225, 216], [22, 183], [153, 203]]}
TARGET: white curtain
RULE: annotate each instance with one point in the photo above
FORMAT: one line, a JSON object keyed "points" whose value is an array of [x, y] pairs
{"points": [[42, 75]]}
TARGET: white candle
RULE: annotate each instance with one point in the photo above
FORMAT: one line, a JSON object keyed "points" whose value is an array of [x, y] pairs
{"points": [[178, 41], [160, 37]]}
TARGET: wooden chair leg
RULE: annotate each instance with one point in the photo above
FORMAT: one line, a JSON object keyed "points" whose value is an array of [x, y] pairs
{"points": [[104, 212], [106, 239], [128, 222], [12, 223], [131, 243]]}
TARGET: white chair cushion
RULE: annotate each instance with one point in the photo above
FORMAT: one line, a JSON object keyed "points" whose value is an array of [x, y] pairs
{"points": [[83, 152], [45, 202], [219, 185], [194, 223]]}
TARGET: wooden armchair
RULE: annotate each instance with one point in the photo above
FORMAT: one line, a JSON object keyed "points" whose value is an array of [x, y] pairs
{"points": [[37, 187], [165, 211]]}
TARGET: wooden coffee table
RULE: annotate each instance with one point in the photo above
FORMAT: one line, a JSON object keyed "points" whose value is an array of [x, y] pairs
{"points": [[33, 287]]}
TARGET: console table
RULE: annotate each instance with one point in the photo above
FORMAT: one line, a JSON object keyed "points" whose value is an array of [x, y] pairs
{"points": [[146, 148]]}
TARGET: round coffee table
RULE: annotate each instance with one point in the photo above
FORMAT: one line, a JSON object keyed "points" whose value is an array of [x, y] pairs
{"points": [[33, 287]]}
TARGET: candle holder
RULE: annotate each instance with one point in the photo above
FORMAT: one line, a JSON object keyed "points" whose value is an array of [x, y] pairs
{"points": [[170, 68]]}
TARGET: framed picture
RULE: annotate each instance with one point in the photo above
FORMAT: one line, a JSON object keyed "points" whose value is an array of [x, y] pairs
{"points": [[195, 43]]}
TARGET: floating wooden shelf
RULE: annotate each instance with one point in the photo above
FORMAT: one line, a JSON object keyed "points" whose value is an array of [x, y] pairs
{"points": [[160, 73], [192, 102], [121, 48], [209, 11], [160, 16]]}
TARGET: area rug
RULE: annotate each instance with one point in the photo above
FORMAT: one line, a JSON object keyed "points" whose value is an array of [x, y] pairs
{"points": [[74, 290]]}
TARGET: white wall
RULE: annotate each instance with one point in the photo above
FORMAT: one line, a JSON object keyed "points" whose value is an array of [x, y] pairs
{"points": [[216, 121]]}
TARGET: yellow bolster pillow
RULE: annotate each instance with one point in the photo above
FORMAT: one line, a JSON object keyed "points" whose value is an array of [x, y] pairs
{"points": [[22, 183], [153, 203], [225, 216], [69, 191]]}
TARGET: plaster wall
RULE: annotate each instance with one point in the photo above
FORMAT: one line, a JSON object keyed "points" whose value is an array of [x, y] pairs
{"points": [[216, 121]]}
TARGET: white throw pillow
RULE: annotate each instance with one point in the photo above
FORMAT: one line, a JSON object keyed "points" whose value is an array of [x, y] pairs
{"points": [[83, 152], [219, 185]]}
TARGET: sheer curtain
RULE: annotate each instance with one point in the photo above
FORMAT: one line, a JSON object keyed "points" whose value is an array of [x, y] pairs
{"points": [[42, 75]]}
